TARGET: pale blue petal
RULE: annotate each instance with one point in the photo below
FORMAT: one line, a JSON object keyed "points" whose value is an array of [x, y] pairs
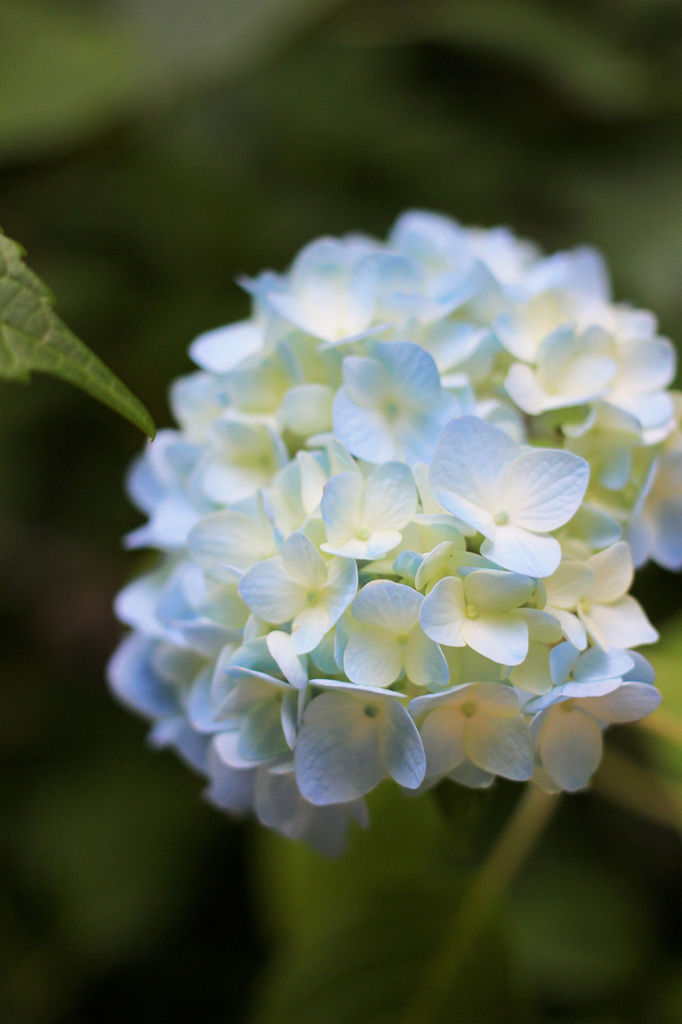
{"points": [[641, 671], [442, 734], [338, 756], [365, 381], [413, 373], [597, 664], [134, 681], [261, 735], [229, 788], [424, 661], [401, 746], [500, 745], [561, 662], [364, 431], [570, 745]]}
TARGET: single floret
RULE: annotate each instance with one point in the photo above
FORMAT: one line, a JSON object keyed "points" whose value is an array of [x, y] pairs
{"points": [[513, 497]]}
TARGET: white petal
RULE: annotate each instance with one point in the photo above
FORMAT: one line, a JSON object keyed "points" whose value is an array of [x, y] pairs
{"points": [[528, 553], [621, 624], [390, 497], [221, 349], [500, 745], [647, 366], [230, 538], [372, 657], [543, 488], [340, 588], [443, 612], [521, 384], [568, 584], [497, 591], [387, 605], [308, 628], [533, 674], [572, 628], [303, 561], [340, 507], [282, 650], [495, 699], [442, 735], [271, 593], [307, 409], [570, 745], [338, 756], [470, 460], [500, 636], [542, 625], [613, 573]]}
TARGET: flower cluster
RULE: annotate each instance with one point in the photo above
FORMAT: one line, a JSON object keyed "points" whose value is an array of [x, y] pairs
{"points": [[397, 527]]}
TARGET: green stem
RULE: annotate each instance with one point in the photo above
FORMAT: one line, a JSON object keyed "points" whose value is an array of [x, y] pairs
{"points": [[527, 822]]}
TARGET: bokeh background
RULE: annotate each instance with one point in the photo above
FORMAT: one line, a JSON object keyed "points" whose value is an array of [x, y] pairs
{"points": [[150, 152]]}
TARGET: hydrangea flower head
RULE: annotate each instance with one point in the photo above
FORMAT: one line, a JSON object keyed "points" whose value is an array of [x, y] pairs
{"points": [[397, 527]]}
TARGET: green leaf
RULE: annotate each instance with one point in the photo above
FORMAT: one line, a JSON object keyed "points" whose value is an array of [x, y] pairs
{"points": [[32, 337]]}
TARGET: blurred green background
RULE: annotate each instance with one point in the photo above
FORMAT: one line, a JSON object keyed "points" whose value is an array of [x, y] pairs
{"points": [[150, 151]]}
